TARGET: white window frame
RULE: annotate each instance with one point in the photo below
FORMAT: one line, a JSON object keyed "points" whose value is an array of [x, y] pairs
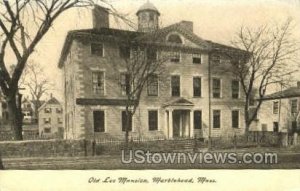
{"points": [[104, 81]]}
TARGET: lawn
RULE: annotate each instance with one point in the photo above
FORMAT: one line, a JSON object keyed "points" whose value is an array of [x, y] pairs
{"points": [[287, 159]]}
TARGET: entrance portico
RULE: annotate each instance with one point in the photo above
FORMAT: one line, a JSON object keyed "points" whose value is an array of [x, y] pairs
{"points": [[179, 119]]}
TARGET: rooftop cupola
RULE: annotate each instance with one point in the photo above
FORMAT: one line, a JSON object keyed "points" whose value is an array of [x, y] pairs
{"points": [[148, 18]]}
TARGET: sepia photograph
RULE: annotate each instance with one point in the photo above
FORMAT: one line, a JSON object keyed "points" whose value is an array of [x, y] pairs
{"points": [[149, 92]]}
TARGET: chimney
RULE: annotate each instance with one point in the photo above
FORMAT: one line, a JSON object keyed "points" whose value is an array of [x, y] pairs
{"points": [[188, 25], [298, 84], [51, 96], [100, 17]]}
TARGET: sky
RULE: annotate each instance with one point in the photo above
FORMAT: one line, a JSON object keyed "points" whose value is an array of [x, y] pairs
{"points": [[216, 20]]}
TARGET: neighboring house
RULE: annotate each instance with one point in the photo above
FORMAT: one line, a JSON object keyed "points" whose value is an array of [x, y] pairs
{"points": [[51, 119], [30, 110], [280, 111], [181, 106]]}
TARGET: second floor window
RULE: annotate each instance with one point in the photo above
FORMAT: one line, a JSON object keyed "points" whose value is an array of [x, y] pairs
{"points": [[197, 86], [175, 86], [47, 120], [235, 89], [294, 106], [216, 88], [275, 107], [58, 110], [47, 110], [125, 83], [152, 85], [98, 83], [97, 49]]}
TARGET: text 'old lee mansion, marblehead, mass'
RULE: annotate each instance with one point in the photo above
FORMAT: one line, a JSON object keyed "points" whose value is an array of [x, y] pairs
{"points": [[180, 104]]}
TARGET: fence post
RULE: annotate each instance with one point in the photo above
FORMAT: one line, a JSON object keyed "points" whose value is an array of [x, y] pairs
{"points": [[93, 147], [1, 163]]}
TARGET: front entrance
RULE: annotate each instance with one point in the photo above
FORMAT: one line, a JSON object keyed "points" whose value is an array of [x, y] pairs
{"points": [[181, 123]]}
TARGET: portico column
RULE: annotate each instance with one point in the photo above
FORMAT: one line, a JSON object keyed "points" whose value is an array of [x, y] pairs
{"points": [[166, 126], [191, 123], [170, 123]]}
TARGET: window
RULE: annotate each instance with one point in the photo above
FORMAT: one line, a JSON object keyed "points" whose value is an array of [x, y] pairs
{"points": [[98, 83], [275, 127], [174, 38], [275, 107], [47, 130], [235, 117], [97, 49], [294, 106], [216, 119], [124, 121], [151, 54], [216, 88], [175, 57], [125, 83], [47, 110], [197, 86], [216, 59], [153, 120], [99, 121], [294, 126], [235, 89], [151, 16], [175, 85], [198, 119], [58, 110], [152, 85], [197, 59], [47, 120], [124, 52], [59, 120]]}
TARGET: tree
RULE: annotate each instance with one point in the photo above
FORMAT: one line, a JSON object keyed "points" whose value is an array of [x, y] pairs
{"points": [[23, 24], [37, 84], [144, 66], [268, 51]]}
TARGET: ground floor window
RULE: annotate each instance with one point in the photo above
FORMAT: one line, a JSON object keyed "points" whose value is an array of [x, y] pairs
{"points": [[216, 119], [294, 126], [235, 118], [198, 119], [124, 121], [153, 120], [275, 126], [99, 121]]}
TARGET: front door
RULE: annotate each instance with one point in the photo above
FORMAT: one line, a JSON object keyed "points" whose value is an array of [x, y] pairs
{"points": [[176, 123]]}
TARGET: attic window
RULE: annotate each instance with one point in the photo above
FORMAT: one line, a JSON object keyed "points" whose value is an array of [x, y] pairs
{"points": [[97, 49], [174, 38]]}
